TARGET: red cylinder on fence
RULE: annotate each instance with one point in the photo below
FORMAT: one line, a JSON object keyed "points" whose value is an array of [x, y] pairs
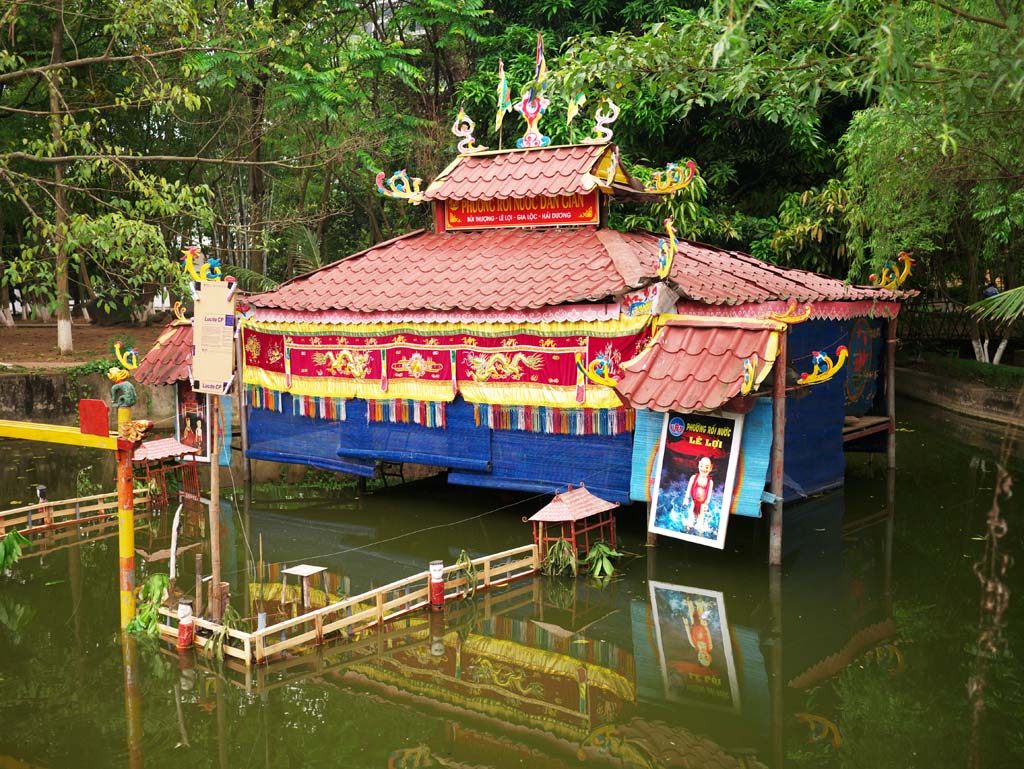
{"points": [[437, 584], [186, 627]]}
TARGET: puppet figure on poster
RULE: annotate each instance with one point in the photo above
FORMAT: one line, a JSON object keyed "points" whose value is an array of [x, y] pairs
{"points": [[192, 426], [695, 475], [694, 646]]}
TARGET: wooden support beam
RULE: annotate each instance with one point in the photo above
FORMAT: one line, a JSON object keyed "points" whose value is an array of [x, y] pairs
{"points": [[778, 450], [890, 387]]}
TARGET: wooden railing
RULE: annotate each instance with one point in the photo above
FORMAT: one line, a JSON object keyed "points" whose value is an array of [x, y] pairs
{"points": [[45, 516], [373, 608]]}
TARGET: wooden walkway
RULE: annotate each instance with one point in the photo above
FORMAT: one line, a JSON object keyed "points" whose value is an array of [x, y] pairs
{"points": [[352, 616]]}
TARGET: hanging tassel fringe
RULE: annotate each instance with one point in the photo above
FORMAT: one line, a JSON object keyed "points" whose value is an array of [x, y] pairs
{"points": [[319, 407], [426, 413], [542, 419], [264, 398]]}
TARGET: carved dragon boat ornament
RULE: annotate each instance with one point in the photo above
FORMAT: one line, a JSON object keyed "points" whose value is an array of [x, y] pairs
{"points": [[672, 179], [598, 371], [791, 316], [824, 368], [892, 279], [602, 133], [667, 249], [532, 107], [464, 127], [400, 187]]}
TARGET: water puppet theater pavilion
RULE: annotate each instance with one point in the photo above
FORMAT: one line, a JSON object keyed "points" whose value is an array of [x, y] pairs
{"points": [[521, 343]]}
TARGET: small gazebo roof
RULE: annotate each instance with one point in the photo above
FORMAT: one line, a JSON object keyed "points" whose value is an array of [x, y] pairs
{"points": [[162, 448], [572, 505], [170, 357]]}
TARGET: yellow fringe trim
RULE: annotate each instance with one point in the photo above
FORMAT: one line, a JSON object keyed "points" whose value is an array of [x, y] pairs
{"points": [[529, 394]]}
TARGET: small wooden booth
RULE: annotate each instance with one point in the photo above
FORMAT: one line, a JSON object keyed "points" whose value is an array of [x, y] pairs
{"points": [[575, 515], [154, 460]]}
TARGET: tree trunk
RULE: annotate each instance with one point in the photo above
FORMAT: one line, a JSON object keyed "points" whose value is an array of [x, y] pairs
{"points": [[64, 344]]}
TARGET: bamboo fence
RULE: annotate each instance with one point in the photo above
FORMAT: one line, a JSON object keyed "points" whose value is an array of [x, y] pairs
{"points": [[351, 616], [80, 512]]}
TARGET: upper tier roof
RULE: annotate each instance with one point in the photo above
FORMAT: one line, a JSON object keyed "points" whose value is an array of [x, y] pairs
{"points": [[528, 173], [519, 269]]}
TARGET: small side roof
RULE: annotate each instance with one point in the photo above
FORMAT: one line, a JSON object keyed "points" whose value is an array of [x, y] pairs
{"points": [[162, 448], [169, 358], [572, 505]]}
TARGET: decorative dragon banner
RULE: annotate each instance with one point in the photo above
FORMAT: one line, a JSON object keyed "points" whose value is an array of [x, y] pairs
{"points": [[525, 365]]}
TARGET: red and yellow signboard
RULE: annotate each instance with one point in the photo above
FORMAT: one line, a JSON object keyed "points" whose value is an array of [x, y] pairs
{"points": [[540, 211]]}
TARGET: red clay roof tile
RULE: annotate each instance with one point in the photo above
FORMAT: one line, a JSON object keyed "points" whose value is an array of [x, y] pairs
{"points": [[518, 174], [693, 365], [502, 269], [169, 358], [572, 505]]}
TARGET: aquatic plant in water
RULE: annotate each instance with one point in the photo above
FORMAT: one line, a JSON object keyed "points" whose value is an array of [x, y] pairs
{"points": [[599, 560], [560, 558], [10, 550], [230, 621], [152, 594]]}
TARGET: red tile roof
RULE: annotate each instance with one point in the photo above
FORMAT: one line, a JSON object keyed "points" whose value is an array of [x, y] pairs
{"points": [[523, 269], [715, 276], [163, 448], [572, 505], [695, 364], [504, 269], [169, 358], [518, 173]]}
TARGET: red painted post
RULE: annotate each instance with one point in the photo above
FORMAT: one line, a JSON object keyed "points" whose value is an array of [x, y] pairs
{"points": [[125, 521], [437, 585]]}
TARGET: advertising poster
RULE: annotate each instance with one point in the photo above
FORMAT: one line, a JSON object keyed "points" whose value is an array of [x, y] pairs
{"points": [[193, 421], [213, 337], [695, 476], [694, 646]]}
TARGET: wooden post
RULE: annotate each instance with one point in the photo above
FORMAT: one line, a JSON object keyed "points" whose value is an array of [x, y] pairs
{"points": [[778, 449], [775, 672], [243, 412], [125, 521], [216, 607], [890, 387], [199, 584]]}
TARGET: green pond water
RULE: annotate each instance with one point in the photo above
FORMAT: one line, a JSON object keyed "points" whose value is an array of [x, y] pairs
{"points": [[872, 647]]}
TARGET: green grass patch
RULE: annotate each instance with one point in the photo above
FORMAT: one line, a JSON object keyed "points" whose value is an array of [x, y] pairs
{"points": [[1001, 376]]}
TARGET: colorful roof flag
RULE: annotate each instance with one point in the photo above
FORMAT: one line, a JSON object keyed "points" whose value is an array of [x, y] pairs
{"points": [[575, 103], [540, 75], [504, 97]]}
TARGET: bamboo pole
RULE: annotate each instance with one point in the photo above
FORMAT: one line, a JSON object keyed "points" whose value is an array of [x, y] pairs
{"points": [[778, 450], [216, 609], [125, 522], [243, 412], [890, 388]]}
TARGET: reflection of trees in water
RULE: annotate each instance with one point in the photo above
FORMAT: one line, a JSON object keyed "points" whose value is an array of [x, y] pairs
{"points": [[991, 570]]}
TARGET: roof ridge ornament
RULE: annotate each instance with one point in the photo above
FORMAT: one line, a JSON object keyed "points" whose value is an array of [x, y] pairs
{"points": [[667, 250], [791, 316], [532, 107], [464, 127], [602, 133], [891, 279], [824, 367], [672, 178], [400, 187]]}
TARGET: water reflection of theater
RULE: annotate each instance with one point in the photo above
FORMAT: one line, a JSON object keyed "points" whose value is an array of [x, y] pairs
{"points": [[635, 674]]}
